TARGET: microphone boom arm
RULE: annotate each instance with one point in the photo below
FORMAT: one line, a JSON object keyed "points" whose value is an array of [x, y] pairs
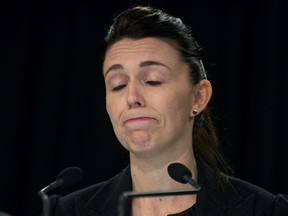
{"points": [[132, 194], [45, 203]]}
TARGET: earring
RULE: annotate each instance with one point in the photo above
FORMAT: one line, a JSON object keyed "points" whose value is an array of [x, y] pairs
{"points": [[195, 112]]}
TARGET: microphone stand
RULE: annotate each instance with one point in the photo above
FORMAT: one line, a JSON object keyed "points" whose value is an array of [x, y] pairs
{"points": [[130, 194], [45, 203], [45, 198]]}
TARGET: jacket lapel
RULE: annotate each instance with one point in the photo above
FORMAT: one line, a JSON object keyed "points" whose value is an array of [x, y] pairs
{"points": [[105, 201]]}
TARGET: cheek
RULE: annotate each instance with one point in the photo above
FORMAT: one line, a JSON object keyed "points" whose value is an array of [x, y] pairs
{"points": [[113, 107], [180, 102], [180, 108], [109, 107]]}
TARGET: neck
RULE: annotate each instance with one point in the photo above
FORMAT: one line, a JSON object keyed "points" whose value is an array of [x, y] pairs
{"points": [[147, 178], [152, 175]]}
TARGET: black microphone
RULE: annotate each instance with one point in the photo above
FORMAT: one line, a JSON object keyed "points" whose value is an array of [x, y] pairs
{"points": [[182, 174], [66, 178], [176, 171]]}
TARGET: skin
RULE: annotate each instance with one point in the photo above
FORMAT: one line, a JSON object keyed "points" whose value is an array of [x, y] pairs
{"points": [[150, 101]]}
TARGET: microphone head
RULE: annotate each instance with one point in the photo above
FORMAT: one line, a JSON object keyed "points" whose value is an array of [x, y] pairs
{"points": [[177, 170], [70, 176]]}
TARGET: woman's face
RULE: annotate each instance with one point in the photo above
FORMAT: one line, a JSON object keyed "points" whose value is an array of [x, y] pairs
{"points": [[149, 96]]}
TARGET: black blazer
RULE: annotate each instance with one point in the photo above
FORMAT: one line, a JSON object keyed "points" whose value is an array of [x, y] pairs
{"points": [[236, 198]]}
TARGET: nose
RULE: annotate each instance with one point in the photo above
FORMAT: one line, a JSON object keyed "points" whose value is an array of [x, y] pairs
{"points": [[135, 98]]}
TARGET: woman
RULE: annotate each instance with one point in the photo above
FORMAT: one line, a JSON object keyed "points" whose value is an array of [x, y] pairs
{"points": [[157, 96]]}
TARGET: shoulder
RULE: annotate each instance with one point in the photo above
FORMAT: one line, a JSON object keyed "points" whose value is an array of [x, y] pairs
{"points": [[276, 204], [65, 205], [245, 188], [100, 194], [228, 195]]}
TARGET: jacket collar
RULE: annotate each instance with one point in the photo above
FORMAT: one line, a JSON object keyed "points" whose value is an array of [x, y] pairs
{"points": [[212, 199]]}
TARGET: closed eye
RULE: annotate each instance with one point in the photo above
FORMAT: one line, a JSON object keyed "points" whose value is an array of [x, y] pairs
{"points": [[154, 83], [117, 88]]}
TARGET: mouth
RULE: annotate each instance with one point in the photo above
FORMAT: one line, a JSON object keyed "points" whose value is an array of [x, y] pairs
{"points": [[139, 122], [138, 119]]}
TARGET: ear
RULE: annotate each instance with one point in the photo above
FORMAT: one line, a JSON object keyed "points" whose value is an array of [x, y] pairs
{"points": [[202, 95]]}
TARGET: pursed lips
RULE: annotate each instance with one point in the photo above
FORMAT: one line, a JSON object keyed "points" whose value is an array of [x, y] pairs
{"points": [[137, 119], [143, 120]]}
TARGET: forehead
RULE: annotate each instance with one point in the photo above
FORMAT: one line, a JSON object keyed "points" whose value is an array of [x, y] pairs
{"points": [[140, 50]]}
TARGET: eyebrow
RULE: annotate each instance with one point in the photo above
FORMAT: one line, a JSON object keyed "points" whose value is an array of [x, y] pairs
{"points": [[142, 64], [113, 67], [149, 63]]}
